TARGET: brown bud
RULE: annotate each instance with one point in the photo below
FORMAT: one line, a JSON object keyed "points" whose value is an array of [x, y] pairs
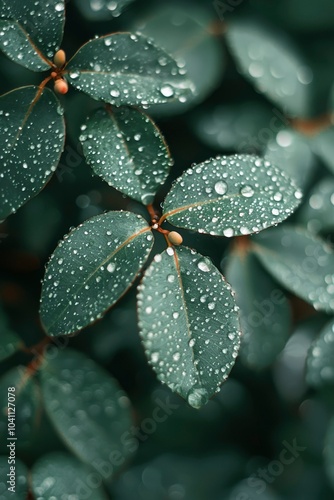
{"points": [[61, 86], [59, 58], [175, 238]]}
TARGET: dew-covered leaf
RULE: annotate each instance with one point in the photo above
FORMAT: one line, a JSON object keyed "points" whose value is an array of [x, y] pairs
{"points": [[91, 269], [184, 33], [299, 261], [329, 452], [21, 479], [31, 31], [323, 146], [291, 151], [126, 149], [317, 211], [231, 195], [272, 64], [101, 10], [265, 316], [10, 342], [242, 127], [60, 475], [32, 131], [189, 323], [27, 404], [125, 68], [88, 409], [320, 360]]}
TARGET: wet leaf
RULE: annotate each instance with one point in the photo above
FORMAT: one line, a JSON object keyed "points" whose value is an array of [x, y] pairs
{"points": [[88, 409], [127, 69], [231, 195], [32, 133], [59, 475], [272, 64], [101, 10], [127, 150], [10, 342], [299, 261], [265, 315], [91, 269], [292, 152], [31, 31], [317, 211], [323, 146], [185, 34], [21, 479], [27, 404], [320, 360], [188, 323]]}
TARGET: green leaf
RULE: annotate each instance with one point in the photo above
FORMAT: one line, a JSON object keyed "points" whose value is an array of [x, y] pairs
{"points": [[320, 360], [329, 452], [317, 211], [59, 475], [32, 132], [272, 64], [21, 479], [88, 409], [231, 195], [299, 261], [27, 402], [323, 146], [9, 341], [127, 69], [188, 323], [101, 10], [91, 269], [31, 31], [126, 149], [265, 315], [291, 151], [184, 34]]}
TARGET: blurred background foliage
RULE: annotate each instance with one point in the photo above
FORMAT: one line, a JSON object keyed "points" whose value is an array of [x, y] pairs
{"points": [[264, 74]]}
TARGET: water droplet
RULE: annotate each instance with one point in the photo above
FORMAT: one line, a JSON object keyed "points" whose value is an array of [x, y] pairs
{"points": [[111, 267], [229, 232], [220, 187], [198, 397], [167, 91], [247, 191], [203, 266], [115, 93]]}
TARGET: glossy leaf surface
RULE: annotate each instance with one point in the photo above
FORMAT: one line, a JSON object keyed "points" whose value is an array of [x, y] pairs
{"points": [[188, 323], [32, 133], [127, 69], [231, 195], [31, 31], [91, 269], [126, 149]]}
